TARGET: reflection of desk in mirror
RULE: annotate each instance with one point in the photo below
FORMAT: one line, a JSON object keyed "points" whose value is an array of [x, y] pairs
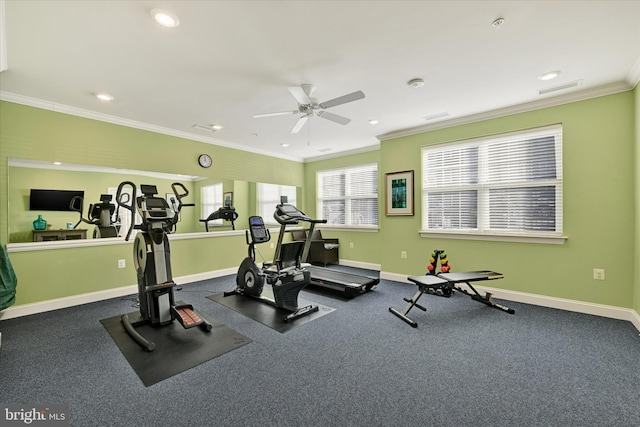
{"points": [[50, 235]]}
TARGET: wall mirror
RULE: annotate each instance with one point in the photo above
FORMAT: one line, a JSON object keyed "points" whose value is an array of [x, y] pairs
{"points": [[204, 192]]}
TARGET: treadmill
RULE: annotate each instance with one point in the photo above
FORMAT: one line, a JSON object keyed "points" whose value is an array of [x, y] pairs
{"points": [[349, 284]]}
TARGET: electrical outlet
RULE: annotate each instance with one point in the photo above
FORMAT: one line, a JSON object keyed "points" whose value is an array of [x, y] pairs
{"points": [[403, 254], [598, 273], [271, 245], [121, 263], [350, 245]]}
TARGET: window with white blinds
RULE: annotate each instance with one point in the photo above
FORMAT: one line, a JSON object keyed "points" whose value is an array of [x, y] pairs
{"points": [[211, 201], [269, 197], [506, 184], [348, 196]]}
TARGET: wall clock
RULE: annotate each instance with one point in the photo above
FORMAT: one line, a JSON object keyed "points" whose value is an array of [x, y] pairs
{"points": [[205, 160]]}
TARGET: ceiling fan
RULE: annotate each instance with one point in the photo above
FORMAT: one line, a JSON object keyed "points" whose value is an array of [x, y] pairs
{"points": [[310, 107]]}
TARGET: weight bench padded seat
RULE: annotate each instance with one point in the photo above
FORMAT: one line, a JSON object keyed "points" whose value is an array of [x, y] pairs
{"points": [[429, 281]]}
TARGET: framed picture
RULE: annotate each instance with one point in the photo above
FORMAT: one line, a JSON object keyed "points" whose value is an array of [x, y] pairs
{"points": [[228, 199], [399, 192]]}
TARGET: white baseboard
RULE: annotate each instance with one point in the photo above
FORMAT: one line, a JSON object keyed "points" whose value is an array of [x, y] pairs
{"points": [[546, 301], [360, 264], [58, 303]]}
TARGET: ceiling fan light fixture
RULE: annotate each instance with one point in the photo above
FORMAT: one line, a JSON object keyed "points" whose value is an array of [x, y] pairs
{"points": [[416, 83], [165, 18]]}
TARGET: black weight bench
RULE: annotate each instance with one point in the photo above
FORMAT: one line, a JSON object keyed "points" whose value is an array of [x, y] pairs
{"points": [[445, 283]]}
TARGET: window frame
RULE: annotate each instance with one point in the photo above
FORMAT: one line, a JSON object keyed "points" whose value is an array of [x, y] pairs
{"points": [[483, 187], [348, 198]]}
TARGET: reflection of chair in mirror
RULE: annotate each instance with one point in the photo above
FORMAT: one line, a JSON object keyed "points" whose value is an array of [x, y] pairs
{"points": [[322, 251]]}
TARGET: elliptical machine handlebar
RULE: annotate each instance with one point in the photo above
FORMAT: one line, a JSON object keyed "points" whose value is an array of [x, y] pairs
{"points": [[122, 199]]}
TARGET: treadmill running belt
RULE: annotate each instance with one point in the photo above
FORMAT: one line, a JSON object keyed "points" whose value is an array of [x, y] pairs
{"points": [[350, 284]]}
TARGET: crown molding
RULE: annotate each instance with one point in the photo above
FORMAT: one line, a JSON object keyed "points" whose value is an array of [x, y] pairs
{"points": [[88, 114], [514, 109], [634, 75], [373, 147]]}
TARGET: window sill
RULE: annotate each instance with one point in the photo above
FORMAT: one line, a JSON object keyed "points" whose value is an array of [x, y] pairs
{"points": [[365, 229], [548, 240]]}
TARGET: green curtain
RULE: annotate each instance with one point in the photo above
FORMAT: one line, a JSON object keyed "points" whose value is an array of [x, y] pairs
{"points": [[8, 280]]}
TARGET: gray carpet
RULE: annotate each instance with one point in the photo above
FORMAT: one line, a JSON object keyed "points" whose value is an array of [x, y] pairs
{"points": [[465, 365]]}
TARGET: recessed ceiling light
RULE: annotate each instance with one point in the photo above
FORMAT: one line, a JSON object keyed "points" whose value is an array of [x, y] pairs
{"points": [[284, 144], [550, 75], [416, 83], [216, 127], [164, 18], [373, 122], [103, 96]]}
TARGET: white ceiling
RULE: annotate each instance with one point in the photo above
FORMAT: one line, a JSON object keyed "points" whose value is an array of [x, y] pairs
{"points": [[229, 60]]}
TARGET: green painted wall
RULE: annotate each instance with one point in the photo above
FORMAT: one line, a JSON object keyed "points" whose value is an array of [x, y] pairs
{"points": [[599, 167], [38, 134]]}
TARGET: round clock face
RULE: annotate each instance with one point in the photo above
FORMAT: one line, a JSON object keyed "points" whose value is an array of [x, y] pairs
{"points": [[205, 160]]}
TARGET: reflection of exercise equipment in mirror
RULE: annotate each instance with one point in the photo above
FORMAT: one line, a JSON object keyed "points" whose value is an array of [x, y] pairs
{"points": [[285, 274], [152, 260], [103, 215], [444, 284], [227, 213]]}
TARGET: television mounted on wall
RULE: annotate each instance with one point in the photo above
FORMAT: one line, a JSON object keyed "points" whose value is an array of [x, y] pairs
{"points": [[52, 200]]}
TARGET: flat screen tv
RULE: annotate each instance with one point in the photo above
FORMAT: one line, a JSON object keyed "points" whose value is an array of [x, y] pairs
{"points": [[52, 200]]}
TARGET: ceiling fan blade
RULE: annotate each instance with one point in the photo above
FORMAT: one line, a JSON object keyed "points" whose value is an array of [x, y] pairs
{"points": [[354, 96], [280, 113], [299, 124], [333, 117], [300, 95]]}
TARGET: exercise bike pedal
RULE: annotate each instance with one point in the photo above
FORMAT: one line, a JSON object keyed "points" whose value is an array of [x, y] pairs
{"points": [[187, 317]]}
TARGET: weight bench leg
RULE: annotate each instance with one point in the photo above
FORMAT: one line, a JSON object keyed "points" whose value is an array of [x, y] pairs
{"points": [[486, 299], [413, 302]]}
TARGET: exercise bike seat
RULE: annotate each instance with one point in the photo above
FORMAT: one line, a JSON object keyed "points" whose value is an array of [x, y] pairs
{"points": [[429, 282]]}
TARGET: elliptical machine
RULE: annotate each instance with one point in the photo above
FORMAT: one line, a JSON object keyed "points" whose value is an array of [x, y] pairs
{"points": [[285, 274], [151, 257], [100, 214]]}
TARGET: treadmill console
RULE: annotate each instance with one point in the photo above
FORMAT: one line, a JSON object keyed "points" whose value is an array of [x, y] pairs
{"points": [[289, 214], [259, 233]]}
